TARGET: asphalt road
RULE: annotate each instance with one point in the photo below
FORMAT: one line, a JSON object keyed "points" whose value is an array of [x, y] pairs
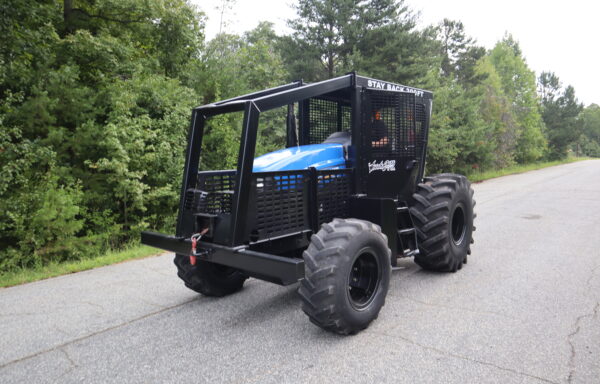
{"points": [[524, 310]]}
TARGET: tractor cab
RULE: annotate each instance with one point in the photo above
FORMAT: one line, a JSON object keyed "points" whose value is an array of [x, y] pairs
{"points": [[345, 137]]}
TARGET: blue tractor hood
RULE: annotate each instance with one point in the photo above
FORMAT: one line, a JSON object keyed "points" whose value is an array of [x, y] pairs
{"points": [[319, 156]]}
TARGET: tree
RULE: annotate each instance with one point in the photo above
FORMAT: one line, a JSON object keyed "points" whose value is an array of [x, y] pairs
{"points": [[560, 111], [223, 8], [496, 110], [331, 32], [519, 86], [548, 87], [459, 53], [239, 65], [458, 139], [589, 141]]}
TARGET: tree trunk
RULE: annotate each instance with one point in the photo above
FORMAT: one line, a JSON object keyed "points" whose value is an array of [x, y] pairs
{"points": [[67, 11], [330, 64], [67, 7]]}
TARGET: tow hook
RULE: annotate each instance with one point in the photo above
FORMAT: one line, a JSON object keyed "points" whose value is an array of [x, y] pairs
{"points": [[195, 238]]}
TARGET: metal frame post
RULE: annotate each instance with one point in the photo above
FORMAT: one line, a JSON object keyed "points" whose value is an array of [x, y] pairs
{"points": [[185, 221], [243, 179], [357, 137], [429, 105]]}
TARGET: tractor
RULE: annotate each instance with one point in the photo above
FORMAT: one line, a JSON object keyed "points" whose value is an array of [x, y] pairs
{"points": [[333, 211]]}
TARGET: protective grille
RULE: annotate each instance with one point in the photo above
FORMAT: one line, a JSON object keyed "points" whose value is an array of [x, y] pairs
{"points": [[213, 193], [281, 203], [325, 118], [392, 132], [333, 190]]}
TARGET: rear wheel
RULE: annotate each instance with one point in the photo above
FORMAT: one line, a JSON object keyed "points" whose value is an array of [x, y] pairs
{"points": [[347, 275], [443, 213], [208, 278]]}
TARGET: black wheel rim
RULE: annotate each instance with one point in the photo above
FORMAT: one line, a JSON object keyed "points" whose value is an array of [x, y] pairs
{"points": [[364, 279], [459, 225]]}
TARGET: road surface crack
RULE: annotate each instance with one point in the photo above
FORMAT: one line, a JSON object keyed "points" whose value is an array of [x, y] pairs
{"points": [[60, 346], [102, 309], [466, 358], [150, 302], [577, 327], [456, 308], [72, 367], [19, 314]]}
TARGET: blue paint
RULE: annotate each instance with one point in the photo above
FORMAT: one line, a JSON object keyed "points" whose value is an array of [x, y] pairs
{"points": [[320, 156]]}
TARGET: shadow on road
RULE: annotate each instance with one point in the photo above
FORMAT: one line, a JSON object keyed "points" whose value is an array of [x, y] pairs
{"points": [[261, 310]]}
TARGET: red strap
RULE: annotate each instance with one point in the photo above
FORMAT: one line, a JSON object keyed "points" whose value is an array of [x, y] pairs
{"points": [[194, 243], [192, 257]]}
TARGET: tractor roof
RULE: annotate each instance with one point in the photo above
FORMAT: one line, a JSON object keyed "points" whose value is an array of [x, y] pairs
{"points": [[289, 93]]}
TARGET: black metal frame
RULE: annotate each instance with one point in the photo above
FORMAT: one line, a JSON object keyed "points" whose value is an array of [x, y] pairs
{"points": [[231, 240]]}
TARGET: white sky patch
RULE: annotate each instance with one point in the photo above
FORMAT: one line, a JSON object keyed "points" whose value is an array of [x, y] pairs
{"points": [[559, 36]]}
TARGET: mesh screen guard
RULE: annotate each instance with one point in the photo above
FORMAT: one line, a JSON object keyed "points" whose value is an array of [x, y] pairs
{"points": [[279, 203], [391, 122], [326, 117]]}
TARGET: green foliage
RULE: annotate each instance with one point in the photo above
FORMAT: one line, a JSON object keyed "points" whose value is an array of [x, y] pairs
{"points": [[561, 112], [39, 213], [458, 133], [93, 127], [496, 110], [240, 65], [95, 106], [589, 141], [518, 84], [332, 37]]}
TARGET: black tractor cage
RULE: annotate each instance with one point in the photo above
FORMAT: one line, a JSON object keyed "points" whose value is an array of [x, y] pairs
{"points": [[276, 212], [345, 103]]}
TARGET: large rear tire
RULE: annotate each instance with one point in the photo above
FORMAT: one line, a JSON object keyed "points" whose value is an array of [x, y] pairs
{"points": [[347, 275], [443, 213], [208, 278]]}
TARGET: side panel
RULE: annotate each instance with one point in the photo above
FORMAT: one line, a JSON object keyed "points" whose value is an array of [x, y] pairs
{"points": [[381, 212]]}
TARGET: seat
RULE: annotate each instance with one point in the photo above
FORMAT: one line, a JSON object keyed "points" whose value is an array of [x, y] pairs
{"points": [[343, 137]]}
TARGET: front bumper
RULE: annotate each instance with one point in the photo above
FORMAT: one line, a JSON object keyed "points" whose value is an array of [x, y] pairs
{"points": [[264, 266]]}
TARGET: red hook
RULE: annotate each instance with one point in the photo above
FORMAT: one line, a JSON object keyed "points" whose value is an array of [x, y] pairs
{"points": [[195, 238]]}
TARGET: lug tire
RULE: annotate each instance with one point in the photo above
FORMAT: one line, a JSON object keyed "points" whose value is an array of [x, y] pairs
{"points": [[443, 216], [347, 275], [208, 278]]}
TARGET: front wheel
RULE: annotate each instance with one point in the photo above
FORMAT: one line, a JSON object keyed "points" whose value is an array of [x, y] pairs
{"points": [[443, 213], [207, 278], [347, 275]]}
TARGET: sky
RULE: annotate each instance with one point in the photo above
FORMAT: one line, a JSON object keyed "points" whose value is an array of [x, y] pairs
{"points": [[558, 36]]}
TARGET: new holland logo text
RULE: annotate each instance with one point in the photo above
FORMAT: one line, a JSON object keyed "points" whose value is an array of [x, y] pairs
{"points": [[384, 166]]}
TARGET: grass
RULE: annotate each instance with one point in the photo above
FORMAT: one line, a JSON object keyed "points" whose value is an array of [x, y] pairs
{"points": [[58, 269], [480, 176], [140, 251]]}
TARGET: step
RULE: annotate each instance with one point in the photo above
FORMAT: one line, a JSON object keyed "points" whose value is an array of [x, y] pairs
{"points": [[411, 253], [408, 231]]}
